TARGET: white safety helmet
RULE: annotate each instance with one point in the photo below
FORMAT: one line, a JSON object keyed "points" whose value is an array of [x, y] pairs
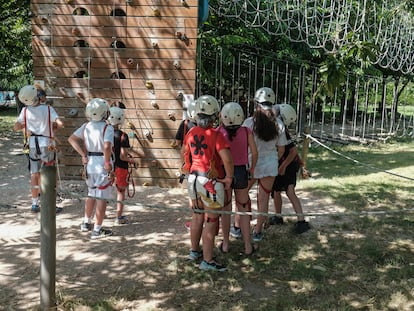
{"points": [[28, 95], [287, 113], [265, 97], [232, 114], [191, 110], [207, 104], [97, 109], [206, 110], [116, 116]]}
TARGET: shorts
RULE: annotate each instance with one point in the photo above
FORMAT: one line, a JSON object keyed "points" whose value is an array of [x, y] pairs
{"points": [[36, 161], [241, 177], [99, 186], [211, 192], [267, 165], [282, 182], [121, 177]]}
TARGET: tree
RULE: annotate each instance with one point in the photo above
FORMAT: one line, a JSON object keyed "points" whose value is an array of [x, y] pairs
{"points": [[16, 65]]}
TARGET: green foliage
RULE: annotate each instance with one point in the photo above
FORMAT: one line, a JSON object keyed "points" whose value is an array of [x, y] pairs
{"points": [[15, 46]]}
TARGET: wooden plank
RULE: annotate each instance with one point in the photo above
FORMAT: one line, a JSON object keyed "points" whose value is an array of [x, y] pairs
{"points": [[174, 18], [114, 84], [144, 53], [146, 28], [134, 3], [133, 64], [106, 73], [127, 94], [108, 41]]}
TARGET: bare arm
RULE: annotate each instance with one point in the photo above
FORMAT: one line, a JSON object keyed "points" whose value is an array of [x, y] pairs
{"points": [[293, 152], [253, 151], [107, 155], [77, 144], [18, 126], [58, 124], [227, 159]]}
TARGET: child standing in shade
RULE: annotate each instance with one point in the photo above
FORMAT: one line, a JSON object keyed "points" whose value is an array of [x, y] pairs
{"points": [[94, 142], [39, 123], [123, 158], [241, 141]]}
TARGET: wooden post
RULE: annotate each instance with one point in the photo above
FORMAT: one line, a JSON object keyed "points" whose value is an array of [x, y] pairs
{"points": [[48, 238], [305, 147]]}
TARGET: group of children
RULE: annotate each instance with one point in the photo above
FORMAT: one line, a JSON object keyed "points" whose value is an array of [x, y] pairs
{"points": [[103, 146], [224, 153]]}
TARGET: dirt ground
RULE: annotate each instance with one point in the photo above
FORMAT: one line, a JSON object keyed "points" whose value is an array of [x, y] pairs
{"points": [[98, 268]]}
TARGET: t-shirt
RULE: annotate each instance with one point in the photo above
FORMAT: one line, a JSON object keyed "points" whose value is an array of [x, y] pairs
{"points": [[183, 129], [95, 134], [39, 121], [120, 140], [204, 145], [239, 145]]}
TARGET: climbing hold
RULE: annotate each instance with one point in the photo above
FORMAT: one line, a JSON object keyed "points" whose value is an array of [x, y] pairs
{"points": [[154, 104], [149, 85]]}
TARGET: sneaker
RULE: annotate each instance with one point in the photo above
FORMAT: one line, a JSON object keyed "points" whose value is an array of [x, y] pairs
{"points": [[257, 236], [35, 208], [195, 255], [235, 232], [101, 233], [123, 220], [276, 220], [212, 265], [85, 226], [301, 227], [187, 225]]}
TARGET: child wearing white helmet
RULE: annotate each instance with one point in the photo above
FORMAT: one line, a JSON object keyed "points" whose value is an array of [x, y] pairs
{"points": [[241, 142], [94, 142], [270, 144], [39, 123], [123, 158], [289, 165], [204, 149]]}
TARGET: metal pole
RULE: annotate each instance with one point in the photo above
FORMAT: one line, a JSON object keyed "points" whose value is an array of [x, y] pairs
{"points": [[48, 238]]}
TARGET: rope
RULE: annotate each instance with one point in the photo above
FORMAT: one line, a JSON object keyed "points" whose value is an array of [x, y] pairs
{"points": [[331, 25], [356, 161]]}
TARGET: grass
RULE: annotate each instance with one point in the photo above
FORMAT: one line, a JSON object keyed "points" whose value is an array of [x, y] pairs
{"points": [[351, 261], [7, 119]]}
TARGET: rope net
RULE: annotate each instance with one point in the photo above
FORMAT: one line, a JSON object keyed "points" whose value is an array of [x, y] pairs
{"points": [[332, 24]]}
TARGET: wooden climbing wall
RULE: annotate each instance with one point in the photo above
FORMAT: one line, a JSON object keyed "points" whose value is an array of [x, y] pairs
{"points": [[138, 52]]}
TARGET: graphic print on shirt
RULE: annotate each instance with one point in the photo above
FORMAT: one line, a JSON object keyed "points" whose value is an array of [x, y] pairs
{"points": [[199, 146]]}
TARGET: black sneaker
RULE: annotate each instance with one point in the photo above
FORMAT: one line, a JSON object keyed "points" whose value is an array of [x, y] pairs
{"points": [[85, 226], [212, 266], [301, 227], [102, 233], [276, 220]]}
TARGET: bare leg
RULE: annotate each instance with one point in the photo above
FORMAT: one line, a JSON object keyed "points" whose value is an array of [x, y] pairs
{"points": [[265, 186], [277, 200], [89, 206], [243, 204], [120, 197], [35, 183], [196, 229], [208, 235], [225, 221], [293, 198], [100, 211]]}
